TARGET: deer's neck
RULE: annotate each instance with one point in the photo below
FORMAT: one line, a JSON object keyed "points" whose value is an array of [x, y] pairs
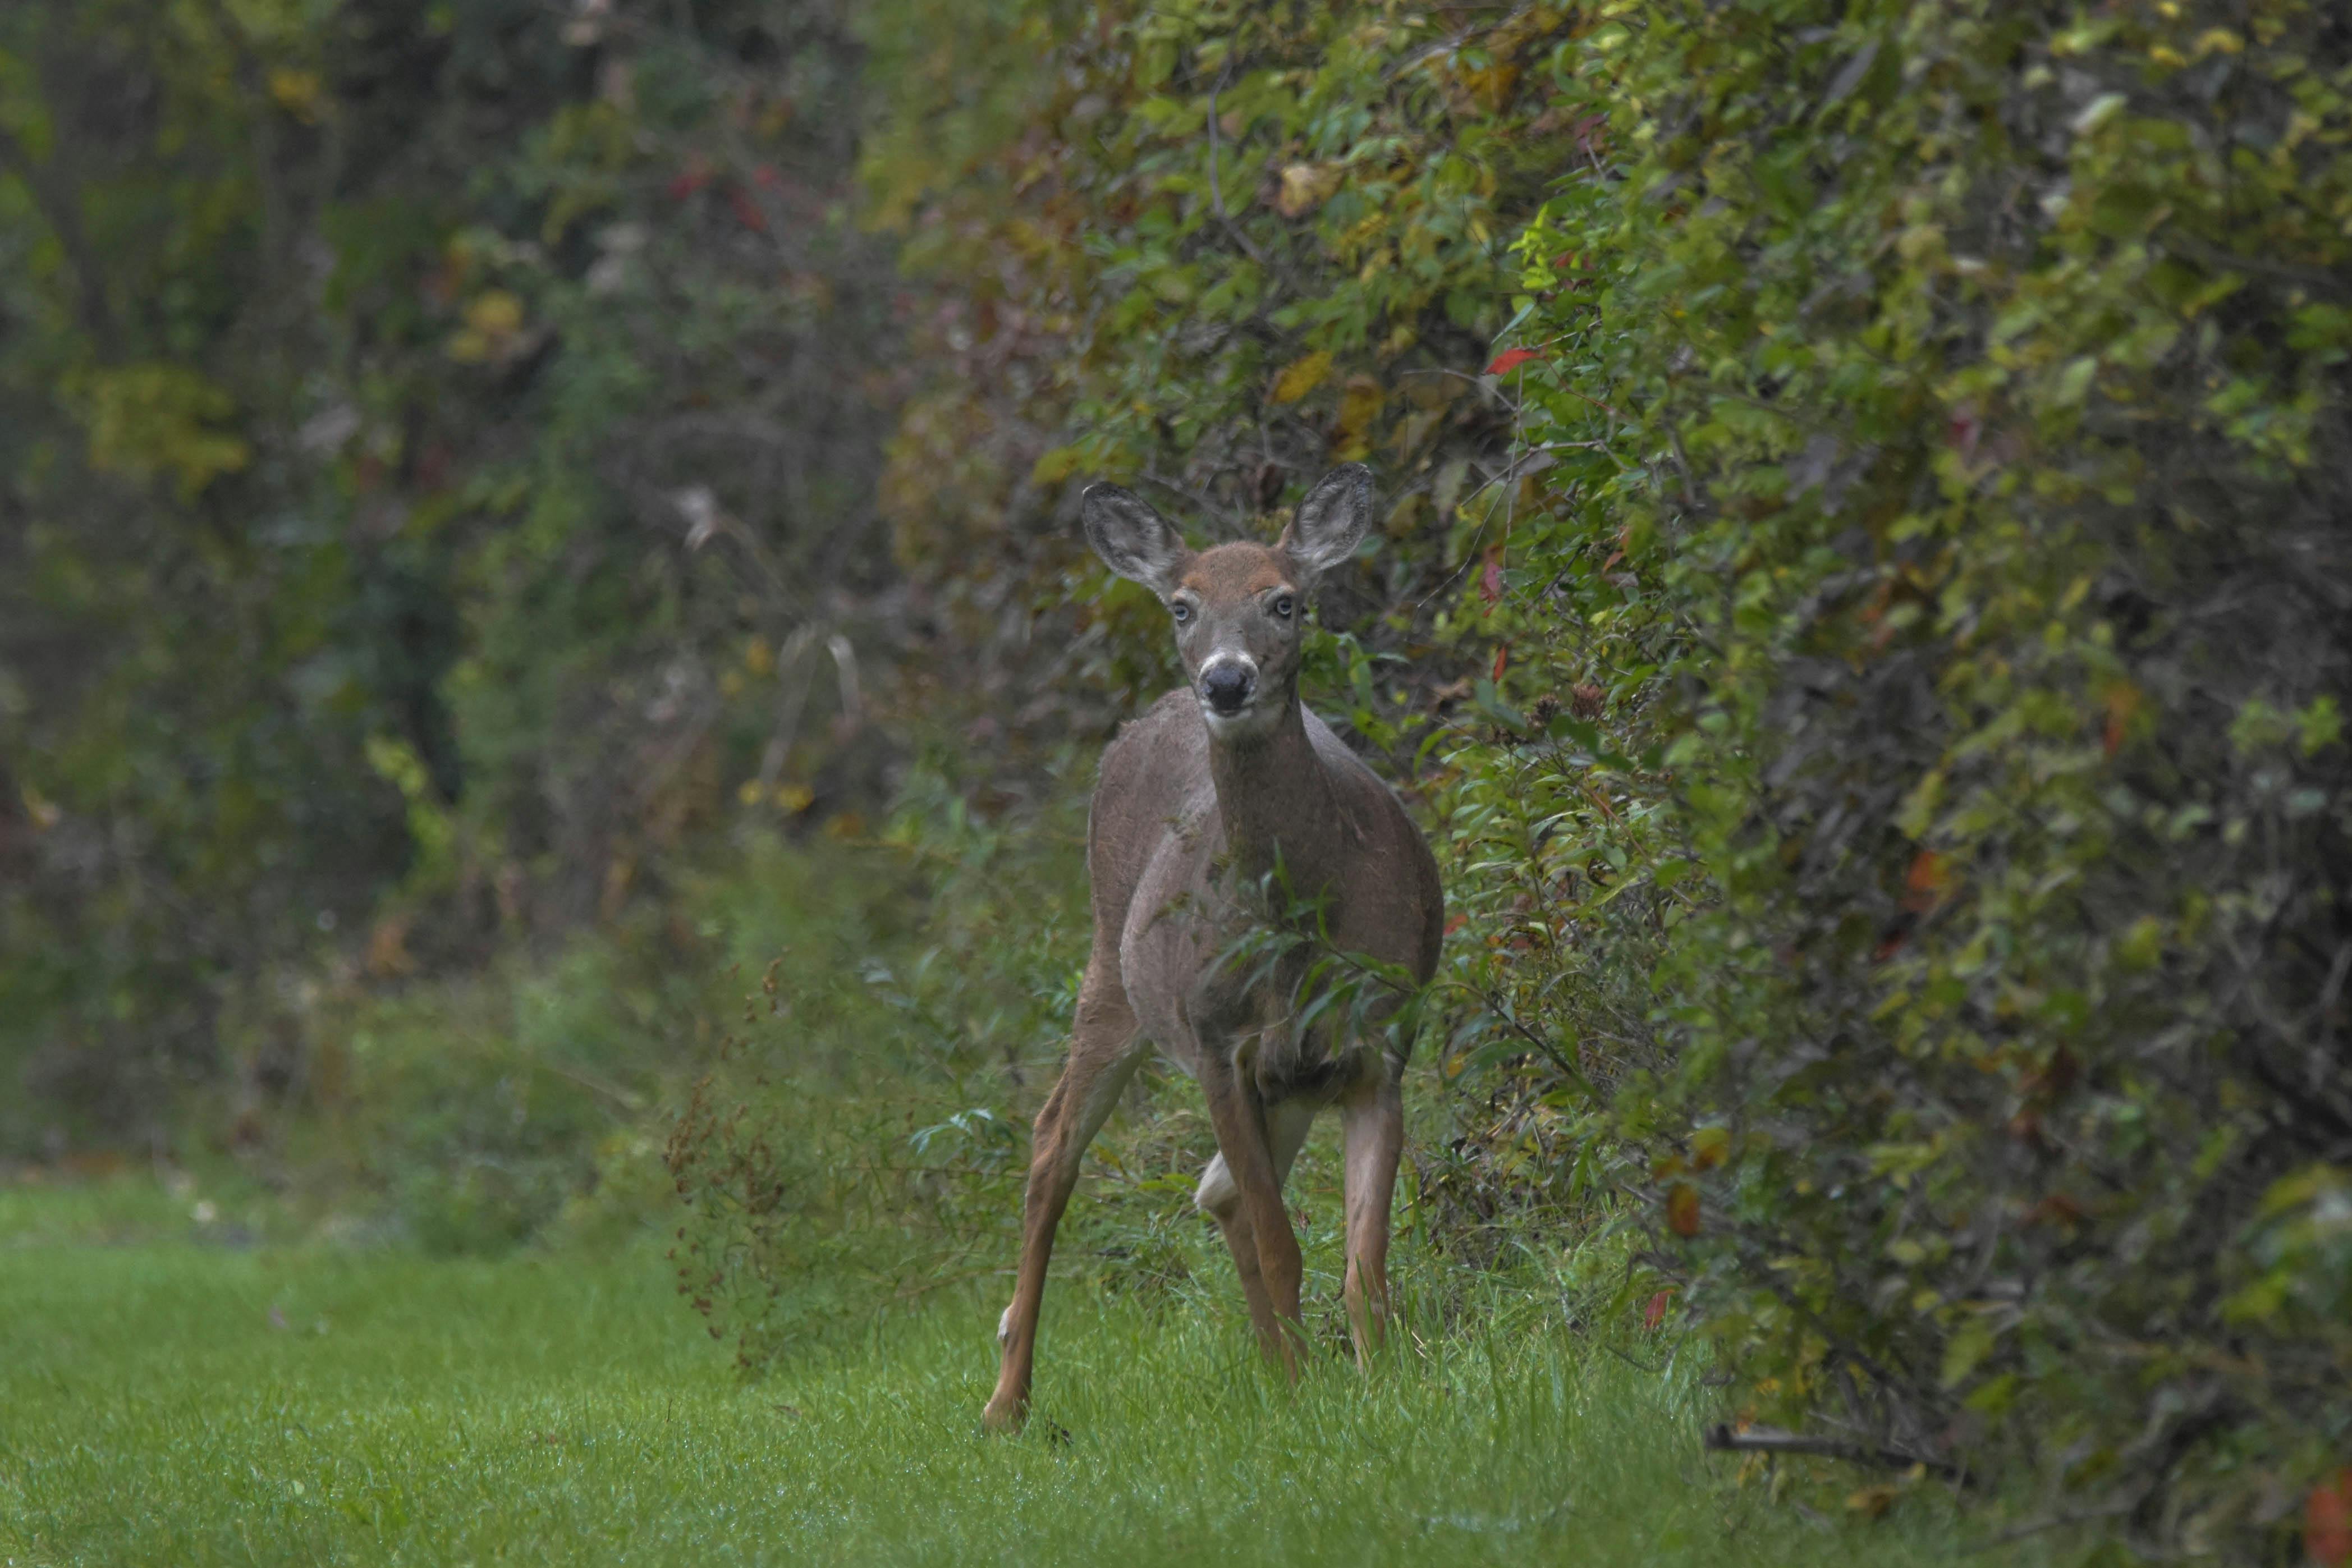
{"points": [[1278, 805]]}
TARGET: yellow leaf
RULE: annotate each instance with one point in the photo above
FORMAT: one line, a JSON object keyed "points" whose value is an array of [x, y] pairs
{"points": [[1302, 377], [1304, 187], [1871, 1502], [1359, 405], [494, 313], [161, 416], [493, 321], [296, 92], [1055, 466]]}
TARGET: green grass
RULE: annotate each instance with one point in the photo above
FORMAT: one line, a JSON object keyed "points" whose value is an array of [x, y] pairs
{"points": [[165, 1402]]}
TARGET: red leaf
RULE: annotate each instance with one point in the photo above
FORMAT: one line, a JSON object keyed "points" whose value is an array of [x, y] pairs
{"points": [[2327, 1520], [1490, 581], [691, 179], [1510, 360], [1925, 883], [1655, 1312], [2123, 702], [1502, 659], [747, 211], [1961, 430]]}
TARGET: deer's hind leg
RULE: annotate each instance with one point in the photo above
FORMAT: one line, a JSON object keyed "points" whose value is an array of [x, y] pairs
{"points": [[1104, 1053], [1287, 1125]]}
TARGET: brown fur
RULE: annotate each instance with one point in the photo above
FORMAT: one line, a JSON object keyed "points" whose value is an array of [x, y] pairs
{"points": [[1237, 571], [1189, 826]]}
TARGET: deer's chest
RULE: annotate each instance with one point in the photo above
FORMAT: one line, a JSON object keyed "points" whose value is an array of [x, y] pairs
{"points": [[1210, 963]]}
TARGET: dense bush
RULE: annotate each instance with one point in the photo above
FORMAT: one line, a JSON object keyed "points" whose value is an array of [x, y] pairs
{"points": [[1948, 420]]}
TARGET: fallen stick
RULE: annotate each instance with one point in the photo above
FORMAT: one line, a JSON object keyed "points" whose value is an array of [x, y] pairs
{"points": [[1764, 1440]]}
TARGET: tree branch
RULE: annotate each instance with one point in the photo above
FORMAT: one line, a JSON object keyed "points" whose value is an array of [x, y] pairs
{"points": [[1760, 1440]]}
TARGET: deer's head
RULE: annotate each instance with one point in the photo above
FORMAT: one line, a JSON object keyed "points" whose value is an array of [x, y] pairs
{"points": [[1238, 608]]}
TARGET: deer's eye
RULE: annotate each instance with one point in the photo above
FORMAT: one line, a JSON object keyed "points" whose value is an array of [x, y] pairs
{"points": [[1283, 606], [1181, 611]]}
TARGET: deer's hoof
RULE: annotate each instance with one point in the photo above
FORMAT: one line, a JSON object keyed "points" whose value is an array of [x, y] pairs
{"points": [[1003, 1417]]}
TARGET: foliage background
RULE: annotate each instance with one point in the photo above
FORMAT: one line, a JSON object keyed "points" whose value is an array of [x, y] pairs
{"points": [[512, 511]]}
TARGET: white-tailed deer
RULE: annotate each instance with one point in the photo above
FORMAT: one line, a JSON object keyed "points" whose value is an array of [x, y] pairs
{"points": [[1226, 788]]}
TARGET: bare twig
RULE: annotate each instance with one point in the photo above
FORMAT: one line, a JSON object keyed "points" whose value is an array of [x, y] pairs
{"points": [[1761, 1440], [626, 1099], [2053, 1521]]}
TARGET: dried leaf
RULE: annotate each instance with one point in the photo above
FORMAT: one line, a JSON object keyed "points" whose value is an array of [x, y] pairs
{"points": [[1681, 1209]]}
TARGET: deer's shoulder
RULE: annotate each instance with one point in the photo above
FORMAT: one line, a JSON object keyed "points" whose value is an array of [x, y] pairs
{"points": [[1361, 789], [1154, 775], [1166, 739]]}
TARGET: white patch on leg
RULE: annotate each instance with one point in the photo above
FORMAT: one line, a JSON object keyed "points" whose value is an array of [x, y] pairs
{"points": [[1005, 1328], [1217, 1189]]}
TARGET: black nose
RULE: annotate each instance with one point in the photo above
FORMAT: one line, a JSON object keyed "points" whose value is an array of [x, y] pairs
{"points": [[1226, 686]]}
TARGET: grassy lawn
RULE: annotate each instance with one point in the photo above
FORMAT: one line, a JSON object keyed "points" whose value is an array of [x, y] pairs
{"points": [[165, 1402]]}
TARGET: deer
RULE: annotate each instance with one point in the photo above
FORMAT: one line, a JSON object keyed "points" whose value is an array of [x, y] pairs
{"points": [[1226, 808]]}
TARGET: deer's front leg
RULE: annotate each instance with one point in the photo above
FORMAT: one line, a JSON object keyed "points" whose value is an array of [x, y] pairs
{"points": [[1286, 1126], [1371, 1121], [1102, 1058], [1242, 1142]]}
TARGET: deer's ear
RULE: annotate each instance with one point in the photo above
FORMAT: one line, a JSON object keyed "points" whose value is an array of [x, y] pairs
{"points": [[1331, 522], [1133, 540]]}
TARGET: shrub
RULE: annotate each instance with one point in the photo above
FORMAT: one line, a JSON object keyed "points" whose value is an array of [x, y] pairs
{"points": [[848, 1152], [1947, 416]]}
